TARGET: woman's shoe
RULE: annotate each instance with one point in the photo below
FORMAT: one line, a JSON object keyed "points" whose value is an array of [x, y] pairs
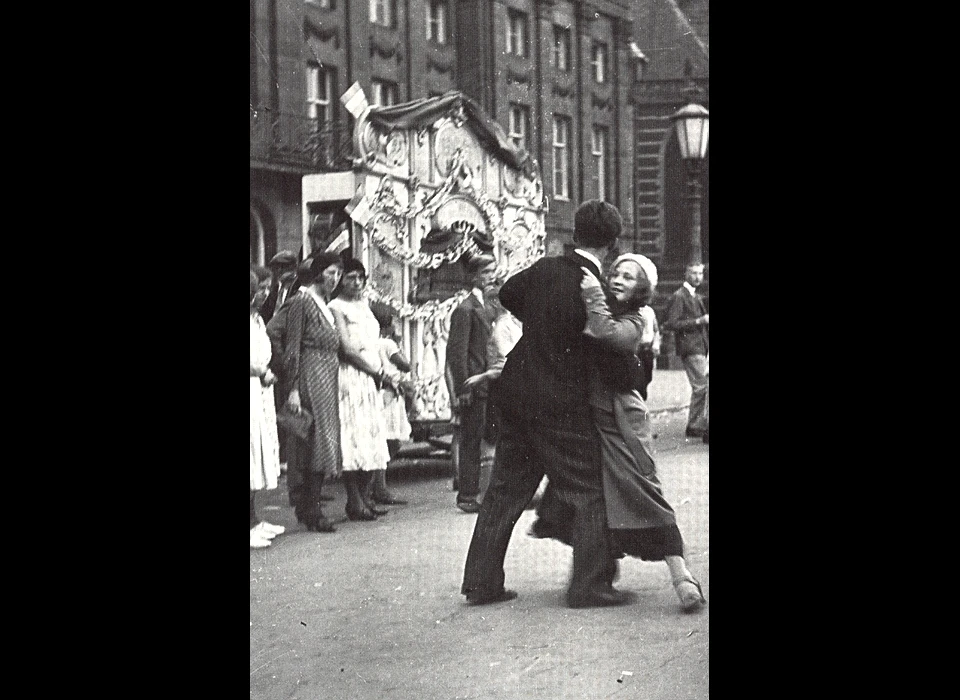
{"points": [[263, 532], [362, 514], [257, 540], [367, 503], [689, 592], [272, 529]]}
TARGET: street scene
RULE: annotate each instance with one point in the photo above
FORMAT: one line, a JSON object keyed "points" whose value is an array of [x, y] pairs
{"points": [[374, 610], [479, 349]]}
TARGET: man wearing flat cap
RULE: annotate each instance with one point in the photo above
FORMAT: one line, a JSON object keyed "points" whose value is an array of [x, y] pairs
{"points": [[284, 268], [546, 422]]}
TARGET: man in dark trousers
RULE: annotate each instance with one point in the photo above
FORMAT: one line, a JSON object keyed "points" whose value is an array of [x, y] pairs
{"points": [[546, 423], [283, 265], [470, 327], [687, 317]]}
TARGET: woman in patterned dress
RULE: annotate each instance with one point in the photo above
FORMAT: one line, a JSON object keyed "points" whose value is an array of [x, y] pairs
{"points": [[310, 375], [264, 448], [363, 430]]}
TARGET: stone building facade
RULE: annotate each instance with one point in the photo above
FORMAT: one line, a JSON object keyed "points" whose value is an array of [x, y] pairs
{"points": [[557, 75]]}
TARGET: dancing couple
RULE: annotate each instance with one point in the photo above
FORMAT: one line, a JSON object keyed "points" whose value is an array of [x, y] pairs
{"points": [[570, 409]]}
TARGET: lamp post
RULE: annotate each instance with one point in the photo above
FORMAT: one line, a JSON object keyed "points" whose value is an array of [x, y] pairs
{"points": [[693, 131]]}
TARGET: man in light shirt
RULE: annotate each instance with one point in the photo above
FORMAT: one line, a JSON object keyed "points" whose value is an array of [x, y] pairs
{"points": [[687, 317]]}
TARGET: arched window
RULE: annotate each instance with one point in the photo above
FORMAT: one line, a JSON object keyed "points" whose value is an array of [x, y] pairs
{"points": [[263, 235]]}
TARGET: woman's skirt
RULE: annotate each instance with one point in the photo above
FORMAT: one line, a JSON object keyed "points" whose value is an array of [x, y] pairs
{"points": [[363, 429], [640, 521]]}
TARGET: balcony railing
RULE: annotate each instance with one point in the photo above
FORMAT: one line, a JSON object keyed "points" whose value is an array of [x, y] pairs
{"points": [[670, 91], [293, 140]]}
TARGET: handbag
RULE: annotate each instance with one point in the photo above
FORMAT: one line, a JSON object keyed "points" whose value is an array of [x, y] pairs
{"points": [[297, 423]]}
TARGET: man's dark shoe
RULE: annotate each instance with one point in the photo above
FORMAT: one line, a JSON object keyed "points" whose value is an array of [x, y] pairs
{"points": [[468, 506], [706, 437], [601, 599], [694, 433], [486, 599]]}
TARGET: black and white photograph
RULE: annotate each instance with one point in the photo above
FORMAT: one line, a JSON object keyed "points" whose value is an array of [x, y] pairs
{"points": [[480, 349]]}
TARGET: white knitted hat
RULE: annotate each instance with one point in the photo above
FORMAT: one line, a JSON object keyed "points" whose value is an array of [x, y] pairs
{"points": [[645, 263]]}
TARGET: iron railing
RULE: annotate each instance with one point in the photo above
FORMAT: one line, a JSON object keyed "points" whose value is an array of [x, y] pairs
{"points": [[293, 140], [671, 91]]}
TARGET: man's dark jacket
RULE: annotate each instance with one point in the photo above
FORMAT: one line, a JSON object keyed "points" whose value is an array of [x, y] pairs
{"points": [[270, 305], [545, 375], [682, 315], [470, 327]]}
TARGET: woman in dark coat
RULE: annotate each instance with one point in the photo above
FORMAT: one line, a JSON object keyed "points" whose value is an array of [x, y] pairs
{"points": [[310, 375], [640, 521]]}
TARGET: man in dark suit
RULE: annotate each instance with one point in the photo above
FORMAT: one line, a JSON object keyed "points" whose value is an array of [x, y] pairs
{"points": [[687, 317], [283, 265], [546, 423], [470, 327]]}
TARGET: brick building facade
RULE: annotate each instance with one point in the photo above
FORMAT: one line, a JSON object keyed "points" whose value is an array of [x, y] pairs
{"points": [[673, 38], [556, 74]]}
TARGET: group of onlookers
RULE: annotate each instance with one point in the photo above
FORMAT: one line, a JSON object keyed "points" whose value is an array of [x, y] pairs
{"points": [[322, 386]]}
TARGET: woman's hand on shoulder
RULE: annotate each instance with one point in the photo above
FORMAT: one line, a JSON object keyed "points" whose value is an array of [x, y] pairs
{"points": [[589, 280]]}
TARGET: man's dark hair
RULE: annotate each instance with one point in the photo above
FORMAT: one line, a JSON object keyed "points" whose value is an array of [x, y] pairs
{"points": [[597, 224]]}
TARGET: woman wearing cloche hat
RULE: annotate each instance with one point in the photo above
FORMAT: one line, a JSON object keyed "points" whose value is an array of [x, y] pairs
{"points": [[640, 521]]}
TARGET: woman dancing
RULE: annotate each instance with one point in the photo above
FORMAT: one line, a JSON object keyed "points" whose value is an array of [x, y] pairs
{"points": [[640, 521]]}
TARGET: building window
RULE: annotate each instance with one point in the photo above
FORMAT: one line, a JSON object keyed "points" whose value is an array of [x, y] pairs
{"points": [[599, 62], [381, 12], [325, 4], [517, 33], [561, 48], [437, 21], [561, 157], [384, 94], [599, 147], [519, 125], [320, 89]]}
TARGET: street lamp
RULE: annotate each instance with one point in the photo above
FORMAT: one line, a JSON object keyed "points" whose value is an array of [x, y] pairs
{"points": [[693, 131]]}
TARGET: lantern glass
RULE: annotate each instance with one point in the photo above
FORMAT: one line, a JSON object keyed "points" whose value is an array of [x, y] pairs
{"points": [[705, 136], [693, 131]]}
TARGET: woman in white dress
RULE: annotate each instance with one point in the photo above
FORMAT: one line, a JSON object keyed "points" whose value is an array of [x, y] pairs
{"points": [[394, 404], [363, 430], [264, 446]]}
